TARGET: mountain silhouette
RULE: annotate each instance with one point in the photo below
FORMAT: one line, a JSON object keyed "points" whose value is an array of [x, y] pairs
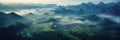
{"points": [[11, 18]]}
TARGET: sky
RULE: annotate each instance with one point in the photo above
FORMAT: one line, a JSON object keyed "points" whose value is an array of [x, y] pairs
{"points": [[59, 2]]}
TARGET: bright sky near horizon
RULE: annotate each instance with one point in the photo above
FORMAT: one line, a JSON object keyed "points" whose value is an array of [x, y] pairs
{"points": [[59, 2]]}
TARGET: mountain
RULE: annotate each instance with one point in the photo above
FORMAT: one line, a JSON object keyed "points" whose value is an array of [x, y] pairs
{"points": [[31, 16], [64, 11], [21, 6], [11, 24], [114, 9], [12, 18], [90, 8], [2, 19]]}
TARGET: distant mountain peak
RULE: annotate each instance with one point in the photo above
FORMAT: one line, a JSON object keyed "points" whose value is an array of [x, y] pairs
{"points": [[83, 4], [90, 3], [12, 13], [30, 14], [101, 3]]}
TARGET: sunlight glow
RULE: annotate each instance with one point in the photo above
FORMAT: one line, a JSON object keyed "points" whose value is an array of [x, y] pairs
{"points": [[59, 2]]}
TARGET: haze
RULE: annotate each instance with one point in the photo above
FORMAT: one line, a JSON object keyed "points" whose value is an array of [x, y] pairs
{"points": [[58, 2]]}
